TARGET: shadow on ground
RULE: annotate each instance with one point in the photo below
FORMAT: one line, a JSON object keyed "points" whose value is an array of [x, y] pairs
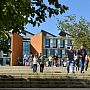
{"points": [[8, 81]]}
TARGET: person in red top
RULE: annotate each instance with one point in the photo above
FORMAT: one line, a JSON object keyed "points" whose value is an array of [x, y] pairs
{"points": [[56, 59]]}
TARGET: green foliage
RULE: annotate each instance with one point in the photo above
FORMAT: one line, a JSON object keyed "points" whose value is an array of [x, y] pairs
{"points": [[15, 14], [4, 36], [78, 29]]}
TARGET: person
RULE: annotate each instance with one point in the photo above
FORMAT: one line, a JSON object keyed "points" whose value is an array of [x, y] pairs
{"points": [[86, 64], [56, 60], [41, 62], [77, 64], [70, 59], [50, 61], [25, 58], [19, 61], [64, 61], [35, 60], [82, 55], [30, 59], [60, 61]]}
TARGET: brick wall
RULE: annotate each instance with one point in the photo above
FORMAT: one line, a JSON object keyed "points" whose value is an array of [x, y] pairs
{"points": [[37, 43], [16, 48]]}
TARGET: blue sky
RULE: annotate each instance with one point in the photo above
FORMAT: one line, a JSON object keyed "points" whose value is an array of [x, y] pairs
{"points": [[77, 7]]}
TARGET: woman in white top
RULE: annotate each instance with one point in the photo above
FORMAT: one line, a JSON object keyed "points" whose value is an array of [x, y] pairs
{"points": [[30, 60], [35, 60]]}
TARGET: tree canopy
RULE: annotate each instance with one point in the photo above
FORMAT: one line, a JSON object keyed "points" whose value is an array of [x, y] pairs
{"points": [[15, 14], [78, 29]]}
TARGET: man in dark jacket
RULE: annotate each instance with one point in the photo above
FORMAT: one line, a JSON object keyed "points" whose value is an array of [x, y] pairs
{"points": [[70, 62], [82, 55]]}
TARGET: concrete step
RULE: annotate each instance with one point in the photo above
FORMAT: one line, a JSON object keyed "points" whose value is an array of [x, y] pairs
{"points": [[43, 83]]}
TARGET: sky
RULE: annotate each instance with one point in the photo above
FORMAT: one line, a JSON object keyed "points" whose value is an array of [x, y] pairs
{"points": [[77, 7]]}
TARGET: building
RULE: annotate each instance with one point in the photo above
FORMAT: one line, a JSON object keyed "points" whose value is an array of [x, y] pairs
{"points": [[43, 42], [49, 44], [19, 44]]}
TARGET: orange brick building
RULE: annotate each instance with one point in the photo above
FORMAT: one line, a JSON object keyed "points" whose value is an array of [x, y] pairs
{"points": [[16, 48], [20, 45]]}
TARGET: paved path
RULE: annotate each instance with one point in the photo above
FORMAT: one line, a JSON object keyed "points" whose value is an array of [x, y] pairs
{"points": [[27, 69]]}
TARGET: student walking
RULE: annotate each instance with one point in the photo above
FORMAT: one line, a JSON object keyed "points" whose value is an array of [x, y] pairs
{"points": [[25, 60], [56, 60], [70, 62], [30, 60], [86, 64], [82, 54], [77, 64], [41, 62], [50, 60], [19, 62], [35, 60]]}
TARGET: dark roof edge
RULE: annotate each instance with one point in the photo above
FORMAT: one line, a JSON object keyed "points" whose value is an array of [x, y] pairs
{"points": [[48, 33], [29, 32], [65, 33]]}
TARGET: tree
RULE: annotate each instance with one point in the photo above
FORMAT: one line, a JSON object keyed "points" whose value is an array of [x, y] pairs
{"points": [[15, 14], [78, 29]]}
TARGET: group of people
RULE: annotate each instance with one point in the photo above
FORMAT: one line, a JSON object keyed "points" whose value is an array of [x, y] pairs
{"points": [[33, 61], [81, 61]]}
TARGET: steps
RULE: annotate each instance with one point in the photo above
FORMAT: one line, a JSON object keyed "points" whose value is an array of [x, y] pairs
{"points": [[23, 77], [12, 82]]}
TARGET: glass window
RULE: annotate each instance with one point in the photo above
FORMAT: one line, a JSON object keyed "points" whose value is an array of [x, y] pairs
{"points": [[63, 53], [52, 52], [44, 52], [56, 51], [26, 47], [47, 43], [51, 43], [62, 43], [59, 53], [54, 43], [69, 42], [48, 52], [58, 43]]}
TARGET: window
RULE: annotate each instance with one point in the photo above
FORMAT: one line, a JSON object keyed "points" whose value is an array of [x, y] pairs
{"points": [[47, 43], [51, 43], [52, 52], [56, 51], [63, 53], [58, 43], [62, 43], [26, 47], [59, 53], [54, 43], [44, 52], [48, 52], [69, 42]]}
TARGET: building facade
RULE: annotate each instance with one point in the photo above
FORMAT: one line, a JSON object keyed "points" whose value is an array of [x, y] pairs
{"points": [[19, 44], [49, 44], [43, 42]]}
